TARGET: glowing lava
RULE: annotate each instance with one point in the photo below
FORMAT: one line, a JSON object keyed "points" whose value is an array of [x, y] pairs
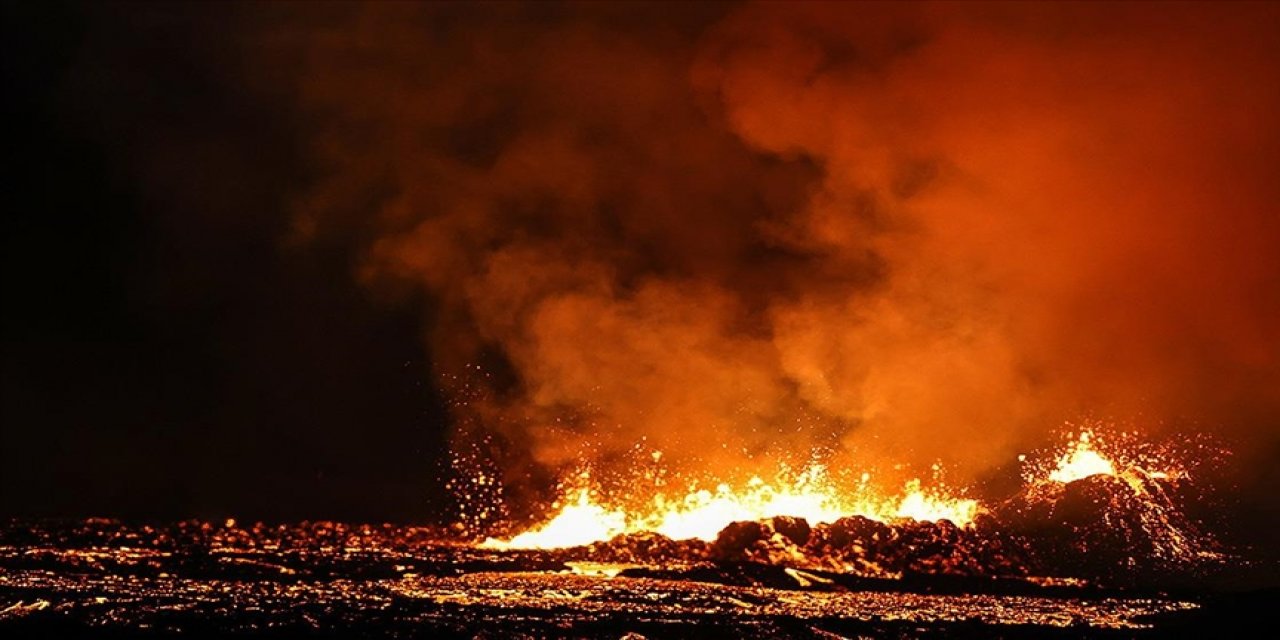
{"points": [[1135, 511], [702, 513], [1102, 490], [1081, 461], [579, 522]]}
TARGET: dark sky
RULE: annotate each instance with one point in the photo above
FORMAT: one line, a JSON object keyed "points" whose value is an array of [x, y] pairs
{"points": [[165, 354]]}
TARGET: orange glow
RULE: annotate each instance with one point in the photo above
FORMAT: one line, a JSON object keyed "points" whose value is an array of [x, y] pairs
{"points": [[579, 522], [587, 514], [1081, 461], [702, 513], [918, 504]]}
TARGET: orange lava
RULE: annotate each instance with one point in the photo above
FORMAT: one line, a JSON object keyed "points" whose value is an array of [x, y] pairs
{"points": [[584, 515], [1081, 461], [702, 513]]}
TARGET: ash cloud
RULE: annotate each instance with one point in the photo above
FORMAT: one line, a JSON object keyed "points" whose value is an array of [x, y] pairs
{"points": [[909, 232]]}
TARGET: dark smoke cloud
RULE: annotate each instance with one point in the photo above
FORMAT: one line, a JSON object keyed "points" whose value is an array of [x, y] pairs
{"points": [[912, 232]]}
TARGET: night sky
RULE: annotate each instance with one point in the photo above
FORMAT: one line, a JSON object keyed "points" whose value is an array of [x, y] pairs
{"points": [[254, 253], [166, 354]]}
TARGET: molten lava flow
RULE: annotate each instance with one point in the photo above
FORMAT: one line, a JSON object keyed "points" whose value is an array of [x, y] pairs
{"points": [[702, 513], [1081, 461]]}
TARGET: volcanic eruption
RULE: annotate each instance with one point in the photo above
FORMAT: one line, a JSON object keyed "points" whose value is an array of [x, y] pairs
{"points": [[1082, 512], [891, 239], [971, 311]]}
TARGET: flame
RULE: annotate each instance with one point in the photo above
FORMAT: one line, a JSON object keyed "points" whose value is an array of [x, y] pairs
{"points": [[1081, 461], [918, 504], [1149, 471], [579, 522], [703, 513], [586, 514]]}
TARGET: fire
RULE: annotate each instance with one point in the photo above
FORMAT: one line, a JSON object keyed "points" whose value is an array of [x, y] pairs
{"points": [[1150, 512], [1081, 461], [918, 504], [703, 513], [1123, 499], [579, 522]]}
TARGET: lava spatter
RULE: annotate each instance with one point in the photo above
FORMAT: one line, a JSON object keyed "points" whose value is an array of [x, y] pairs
{"points": [[702, 513], [1102, 506]]}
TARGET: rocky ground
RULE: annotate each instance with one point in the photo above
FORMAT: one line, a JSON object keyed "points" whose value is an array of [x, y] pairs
{"points": [[1101, 556], [782, 578]]}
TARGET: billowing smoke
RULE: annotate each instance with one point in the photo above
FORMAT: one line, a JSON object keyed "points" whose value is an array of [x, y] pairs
{"points": [[910, 233]]}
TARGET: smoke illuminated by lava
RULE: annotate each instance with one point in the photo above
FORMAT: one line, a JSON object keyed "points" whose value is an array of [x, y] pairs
{"points": [[900, 233]]}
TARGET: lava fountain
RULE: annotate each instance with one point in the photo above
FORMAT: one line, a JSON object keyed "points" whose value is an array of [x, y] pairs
{"points": [[1126, 483], [583, 516]]}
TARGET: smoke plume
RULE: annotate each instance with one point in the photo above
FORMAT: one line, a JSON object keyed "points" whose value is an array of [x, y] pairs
{"points": [[906, 232]]}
